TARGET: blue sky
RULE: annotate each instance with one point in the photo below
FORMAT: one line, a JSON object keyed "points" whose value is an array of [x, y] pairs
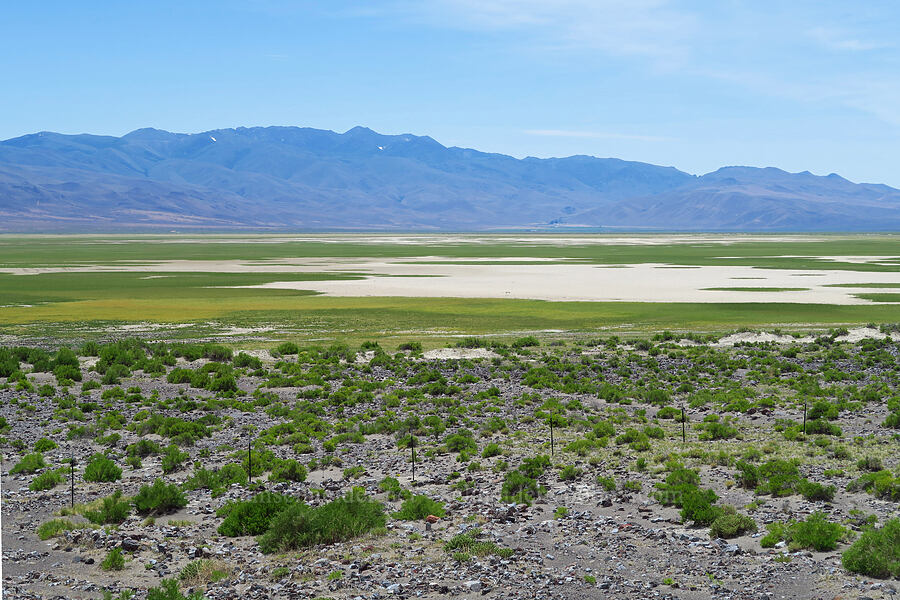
{"points": [[800, 85]]}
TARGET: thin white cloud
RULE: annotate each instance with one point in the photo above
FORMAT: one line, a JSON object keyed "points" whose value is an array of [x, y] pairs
{"points": [[596, 135], [653, 29], [835, 39], [778, 50]]}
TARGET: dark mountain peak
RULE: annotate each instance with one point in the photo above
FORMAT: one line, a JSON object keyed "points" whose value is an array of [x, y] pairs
{"points": [[360, 132], [148, 131]]}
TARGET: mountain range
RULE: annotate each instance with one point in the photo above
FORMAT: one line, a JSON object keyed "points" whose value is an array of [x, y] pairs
{"points": [[303, 179]]}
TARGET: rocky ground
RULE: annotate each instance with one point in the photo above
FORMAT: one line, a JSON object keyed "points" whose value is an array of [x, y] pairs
{"points": [[619, 543]]}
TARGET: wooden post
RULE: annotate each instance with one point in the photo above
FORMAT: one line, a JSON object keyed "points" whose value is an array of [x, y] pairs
{"points": [[551, 435], [683, 434], [804, 416], [412, 450], [72, 475]]}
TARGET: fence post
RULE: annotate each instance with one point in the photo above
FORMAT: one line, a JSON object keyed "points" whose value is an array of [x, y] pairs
{"points": [[804, 416], [551, 435], [412, 450]]}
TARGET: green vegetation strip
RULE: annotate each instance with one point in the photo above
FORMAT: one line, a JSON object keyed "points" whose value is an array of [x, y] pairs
{"points": [[348, 318], [879, 297], [793, 252], [755, 289]]}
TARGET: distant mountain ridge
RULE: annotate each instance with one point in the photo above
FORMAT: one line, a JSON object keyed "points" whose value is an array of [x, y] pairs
{"points": [[292, 178]]}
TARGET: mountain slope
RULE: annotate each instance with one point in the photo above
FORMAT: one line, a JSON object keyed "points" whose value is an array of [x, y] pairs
{"points": [[309, 179]]}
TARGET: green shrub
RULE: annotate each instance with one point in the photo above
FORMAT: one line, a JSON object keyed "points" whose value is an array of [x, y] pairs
{"points": [[45, 481], [881, 484], [44, 444], [748, 475], [632, 485], [698, 506], [173, 459], [202, 572], [668, 412], [299, 526], [114, 374], [876, 553], [581, 447], [258, 462], [414, 347], [569, 473], [354, 472], [892, 420], [114, 561], [781, 478], [604, 429], [113, 511], [168, 590], [777, 532], [657, 433], [101, 468], [492, 449], [418, 507], [461, 441], [159, 498], [535, 466], [54, 527], [245, 360], [678, 482], [467, 545], [717, 431], [393, 489], [607, 483], [731, 525], [288, 470], [525, 342], [816, 491], [519, 488], [30, 463], [868, 463], [67, 374], [816, 532], [822, 427], [252, 517], [286, 348], [143, 448], [216, 481]]}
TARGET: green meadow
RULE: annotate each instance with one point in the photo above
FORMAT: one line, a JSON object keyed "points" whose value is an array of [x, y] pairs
{"points": [[98, 300]]}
